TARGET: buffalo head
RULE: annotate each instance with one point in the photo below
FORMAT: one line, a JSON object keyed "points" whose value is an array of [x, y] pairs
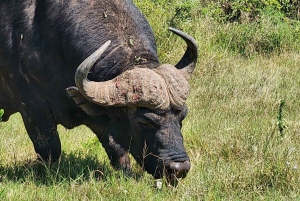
{"points": [[152, 107]]}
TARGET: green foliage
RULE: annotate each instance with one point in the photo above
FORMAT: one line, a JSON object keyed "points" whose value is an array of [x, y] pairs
{"points": [[91, 146], [183, 13], [236, 10], [1, 114], [290, 7], [271, 34]]}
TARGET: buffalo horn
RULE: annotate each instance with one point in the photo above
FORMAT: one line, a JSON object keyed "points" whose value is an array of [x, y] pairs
{"points": [[84, 68], [139, 87], [188, 62]]}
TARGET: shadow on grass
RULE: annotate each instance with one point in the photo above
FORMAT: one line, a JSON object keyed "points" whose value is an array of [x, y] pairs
{"points": [[71, 167]]}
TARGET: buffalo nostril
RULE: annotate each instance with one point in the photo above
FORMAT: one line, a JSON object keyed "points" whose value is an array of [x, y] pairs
{"points": [[180, 169]]}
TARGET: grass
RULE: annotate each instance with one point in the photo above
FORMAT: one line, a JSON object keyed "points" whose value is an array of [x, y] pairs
{"points": [[243, 141], [235, 119]]}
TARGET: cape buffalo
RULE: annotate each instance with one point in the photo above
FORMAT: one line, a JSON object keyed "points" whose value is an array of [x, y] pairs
{"points": [[120, 91]]}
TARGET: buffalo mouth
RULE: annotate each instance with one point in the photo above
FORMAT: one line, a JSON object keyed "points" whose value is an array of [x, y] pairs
{"points": [[173, 171], [176, 171], [169, 164]]}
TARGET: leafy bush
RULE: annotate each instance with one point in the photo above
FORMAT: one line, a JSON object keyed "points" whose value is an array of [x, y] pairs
{"points": [[291, 8], [273, 33], [235, 10], [183, 13]]}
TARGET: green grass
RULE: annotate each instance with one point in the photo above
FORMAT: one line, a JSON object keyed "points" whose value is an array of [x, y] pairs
{"points": [[243, 142]]}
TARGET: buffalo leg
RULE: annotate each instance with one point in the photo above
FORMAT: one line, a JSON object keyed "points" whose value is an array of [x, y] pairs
{"points": [[42, 131], [119, 157]]}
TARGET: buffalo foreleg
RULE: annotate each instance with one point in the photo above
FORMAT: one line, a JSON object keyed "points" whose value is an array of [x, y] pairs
{"points": [[42, 130], [119, 157]]}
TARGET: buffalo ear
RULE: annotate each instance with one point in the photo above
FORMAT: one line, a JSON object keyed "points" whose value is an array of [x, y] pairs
{"points": [[87, 106]]}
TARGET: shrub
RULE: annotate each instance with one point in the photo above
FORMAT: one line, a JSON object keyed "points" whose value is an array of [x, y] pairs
{"points": [[234, 10], [272, 33]]}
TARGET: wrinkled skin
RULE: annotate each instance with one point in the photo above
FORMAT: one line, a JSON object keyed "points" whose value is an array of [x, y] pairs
{"points": [[162, 139], [41, 45], [154, 139]]}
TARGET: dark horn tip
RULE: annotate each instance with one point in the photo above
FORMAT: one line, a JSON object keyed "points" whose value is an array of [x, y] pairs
{"points": [[189, 59]]}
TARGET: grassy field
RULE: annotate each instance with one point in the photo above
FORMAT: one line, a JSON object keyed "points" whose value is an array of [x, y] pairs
{"points": [[242, 132]]}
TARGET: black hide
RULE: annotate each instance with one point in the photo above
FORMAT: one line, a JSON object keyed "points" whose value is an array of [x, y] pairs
{"points": [[41, 45]]}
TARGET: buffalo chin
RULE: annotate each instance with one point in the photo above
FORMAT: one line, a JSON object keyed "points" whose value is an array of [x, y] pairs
{"points": [[172, 178]]}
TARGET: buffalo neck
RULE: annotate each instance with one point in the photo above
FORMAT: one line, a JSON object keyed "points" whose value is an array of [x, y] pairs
{"points": [[77, 29]]}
